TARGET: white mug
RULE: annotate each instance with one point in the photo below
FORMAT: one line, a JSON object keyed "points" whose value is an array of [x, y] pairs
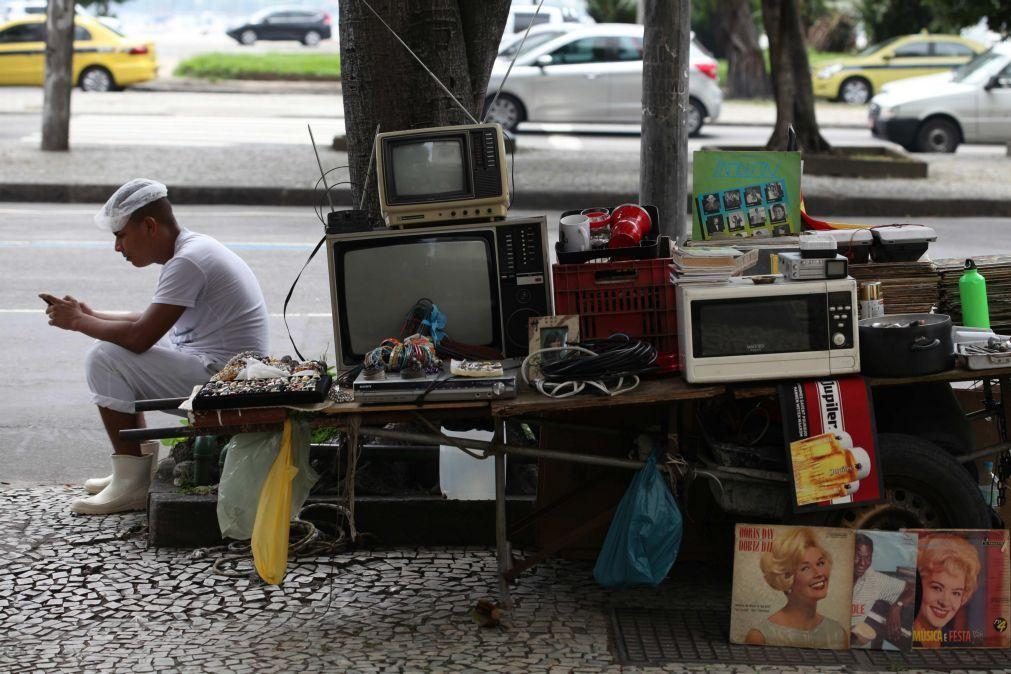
{"points": [[574, 233]]}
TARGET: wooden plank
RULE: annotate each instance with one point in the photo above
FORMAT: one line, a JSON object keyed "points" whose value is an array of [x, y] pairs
{"points": [[376, 408]]}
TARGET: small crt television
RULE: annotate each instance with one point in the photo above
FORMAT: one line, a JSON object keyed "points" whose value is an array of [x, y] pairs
{"points": [[488, 279], [442, 174]]}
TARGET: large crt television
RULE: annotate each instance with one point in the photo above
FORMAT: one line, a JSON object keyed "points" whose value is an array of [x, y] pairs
{"points": [[442, 174], [488, 279]]}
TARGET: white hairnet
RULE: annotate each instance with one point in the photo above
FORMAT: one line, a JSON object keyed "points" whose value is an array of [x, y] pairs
{"points": [[121, 205]]}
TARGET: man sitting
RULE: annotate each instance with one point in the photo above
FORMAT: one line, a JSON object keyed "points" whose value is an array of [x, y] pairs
{"points": [[207, 307]]}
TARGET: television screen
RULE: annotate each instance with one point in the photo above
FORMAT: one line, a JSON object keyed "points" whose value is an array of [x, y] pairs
{"points": [[382, 284], [431, 167]]}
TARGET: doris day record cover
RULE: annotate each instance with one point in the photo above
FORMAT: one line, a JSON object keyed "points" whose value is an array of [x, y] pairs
{"points": [[792, 586]]}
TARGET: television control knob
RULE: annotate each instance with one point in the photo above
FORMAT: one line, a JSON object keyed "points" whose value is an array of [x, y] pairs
{"points": [[838, 339], [498, 388]]}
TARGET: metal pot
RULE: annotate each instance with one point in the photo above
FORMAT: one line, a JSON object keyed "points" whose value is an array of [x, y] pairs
{"points": [[906, 345]]}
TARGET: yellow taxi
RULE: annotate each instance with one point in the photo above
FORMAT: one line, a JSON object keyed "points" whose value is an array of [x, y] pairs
{"points": [[857, 79], [104, 60]]}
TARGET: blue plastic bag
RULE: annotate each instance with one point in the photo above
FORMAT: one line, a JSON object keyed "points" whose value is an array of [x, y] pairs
{"points": [[645, 534]]}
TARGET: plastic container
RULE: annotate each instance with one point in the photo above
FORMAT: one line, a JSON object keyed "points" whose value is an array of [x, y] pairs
{"points": [[972, 293], [461, 476], [203, 459], [633, 297]]}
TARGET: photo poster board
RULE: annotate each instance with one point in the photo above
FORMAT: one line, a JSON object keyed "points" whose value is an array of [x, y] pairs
{"points": [[745, 194], [780, 572], [828, 426], [884, 590], [962, 589]]}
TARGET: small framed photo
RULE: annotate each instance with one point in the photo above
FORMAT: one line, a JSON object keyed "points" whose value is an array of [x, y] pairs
{"points": [[777, 212], [756, 216], [774, 191], [710, 203], [753, 195], [735, 222], [551, 332], [714, 224], [731, 199]]}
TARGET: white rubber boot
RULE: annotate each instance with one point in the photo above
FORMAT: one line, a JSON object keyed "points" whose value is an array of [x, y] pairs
{"points": [[131, 476], [96, 484]]}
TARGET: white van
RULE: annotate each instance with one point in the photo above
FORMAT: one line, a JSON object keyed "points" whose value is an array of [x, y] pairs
{"points": [[936, 113]]}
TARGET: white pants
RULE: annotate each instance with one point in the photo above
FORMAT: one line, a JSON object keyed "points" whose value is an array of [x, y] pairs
{"points": [[117, 376]]}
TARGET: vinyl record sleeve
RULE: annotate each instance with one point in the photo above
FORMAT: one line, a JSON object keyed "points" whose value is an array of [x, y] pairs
{"points": [[963, 591], [780, 573], [884, 585]]}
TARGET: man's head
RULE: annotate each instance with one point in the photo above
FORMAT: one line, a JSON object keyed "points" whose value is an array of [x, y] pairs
{"points": [[140, 217], [864, 555]]}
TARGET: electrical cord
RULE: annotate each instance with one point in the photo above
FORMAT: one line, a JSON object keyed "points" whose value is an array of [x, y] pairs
{"points": [[609, 366]]}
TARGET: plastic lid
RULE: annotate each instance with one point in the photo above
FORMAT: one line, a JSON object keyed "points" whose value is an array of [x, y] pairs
{"points": [[971, 264]]}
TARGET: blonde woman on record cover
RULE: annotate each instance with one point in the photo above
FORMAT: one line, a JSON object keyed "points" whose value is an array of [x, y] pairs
{"points": [[799, 566], [948, 566]]}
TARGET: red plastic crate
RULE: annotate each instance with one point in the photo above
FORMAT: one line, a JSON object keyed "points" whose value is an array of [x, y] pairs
{"points": [[632, 297]]}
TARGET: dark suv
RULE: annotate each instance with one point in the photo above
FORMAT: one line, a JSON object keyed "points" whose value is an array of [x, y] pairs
{"points": [[308, 26]]}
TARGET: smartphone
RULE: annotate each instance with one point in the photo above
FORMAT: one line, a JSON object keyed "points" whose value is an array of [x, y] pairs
{"points": [[45, 298]]}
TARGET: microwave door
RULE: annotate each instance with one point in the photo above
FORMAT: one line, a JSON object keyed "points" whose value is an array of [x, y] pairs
{"points": [[754, 326]]}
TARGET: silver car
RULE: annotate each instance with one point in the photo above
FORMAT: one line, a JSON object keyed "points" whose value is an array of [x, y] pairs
{"points": [[589, 73]]}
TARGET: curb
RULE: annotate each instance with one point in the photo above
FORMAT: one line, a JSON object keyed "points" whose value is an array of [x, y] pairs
{"points": [[525, 200]]}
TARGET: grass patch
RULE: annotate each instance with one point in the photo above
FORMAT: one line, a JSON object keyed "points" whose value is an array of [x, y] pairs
{"points": [[268, 66]]}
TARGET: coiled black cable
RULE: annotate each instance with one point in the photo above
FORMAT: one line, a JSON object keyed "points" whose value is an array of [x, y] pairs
{"points": [[614, 357]]}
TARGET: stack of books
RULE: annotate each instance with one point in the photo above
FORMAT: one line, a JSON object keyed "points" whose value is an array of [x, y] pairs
{"points": [[709, 265]]}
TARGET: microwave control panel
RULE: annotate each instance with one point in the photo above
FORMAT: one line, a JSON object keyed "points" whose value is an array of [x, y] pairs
{"points": [[841, 313]]}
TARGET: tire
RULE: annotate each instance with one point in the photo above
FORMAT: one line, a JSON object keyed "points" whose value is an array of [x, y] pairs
{"points": [[937, 135], [507, 111], [311, 38], [247, 37], [855, 91], [925, 488], [696, 117], [96, 78]]}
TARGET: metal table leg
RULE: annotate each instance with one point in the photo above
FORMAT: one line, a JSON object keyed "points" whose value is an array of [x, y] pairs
{"points": [[503, 553]]}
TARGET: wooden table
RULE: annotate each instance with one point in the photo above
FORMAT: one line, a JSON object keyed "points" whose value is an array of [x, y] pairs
{"points": [[356, 419]]}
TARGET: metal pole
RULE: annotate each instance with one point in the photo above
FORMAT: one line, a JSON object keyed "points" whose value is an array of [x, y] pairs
{"points": [[490, 448], [502, 552]]}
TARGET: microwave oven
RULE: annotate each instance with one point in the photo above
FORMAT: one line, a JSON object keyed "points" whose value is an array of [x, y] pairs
{"points": [[744, 331]]}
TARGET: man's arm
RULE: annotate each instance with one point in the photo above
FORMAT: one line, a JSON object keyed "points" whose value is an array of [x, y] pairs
{"points": [[136, 334], [894, 620]]}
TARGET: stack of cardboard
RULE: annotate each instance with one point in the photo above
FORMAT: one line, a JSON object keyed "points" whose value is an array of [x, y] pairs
{"points": [[996, 269], [907, 287], [709, 265]]}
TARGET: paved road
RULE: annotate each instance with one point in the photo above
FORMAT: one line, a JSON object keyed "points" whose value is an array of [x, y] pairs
{"points": [[50, 433]]}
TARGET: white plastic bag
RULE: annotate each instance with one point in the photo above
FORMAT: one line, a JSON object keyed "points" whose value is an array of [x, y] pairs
{"points": [[256, 369], [248, 460]]}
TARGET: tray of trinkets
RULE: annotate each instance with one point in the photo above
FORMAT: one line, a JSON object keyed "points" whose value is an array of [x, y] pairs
{"points": [[295, 383]]}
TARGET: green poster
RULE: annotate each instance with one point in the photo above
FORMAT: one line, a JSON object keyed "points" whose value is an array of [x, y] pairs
{"points": [[745, 194]]}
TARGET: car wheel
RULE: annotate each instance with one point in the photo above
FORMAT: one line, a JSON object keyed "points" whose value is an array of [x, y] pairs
{"points": [[248, 37], [925, 488], [696, 117], [96, 78], [937, 135], [311, 38], [507, 111], [855, 91]]}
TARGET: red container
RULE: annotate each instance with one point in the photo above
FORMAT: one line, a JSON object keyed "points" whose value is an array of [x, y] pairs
{"points": [[633, 297]]}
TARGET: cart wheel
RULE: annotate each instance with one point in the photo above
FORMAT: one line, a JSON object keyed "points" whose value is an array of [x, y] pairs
{"points": [[925, 488]]}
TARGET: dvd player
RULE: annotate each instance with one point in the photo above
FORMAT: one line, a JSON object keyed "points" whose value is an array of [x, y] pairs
{"points": [[393, 388]]}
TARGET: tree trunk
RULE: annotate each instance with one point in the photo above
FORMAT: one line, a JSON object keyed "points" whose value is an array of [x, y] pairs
{"points": [[59, 71], [384, 85], [791, 78], [746, 76], [663, 163]]}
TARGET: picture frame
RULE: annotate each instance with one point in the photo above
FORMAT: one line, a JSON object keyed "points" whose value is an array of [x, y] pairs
{"points": [[550, 332]]}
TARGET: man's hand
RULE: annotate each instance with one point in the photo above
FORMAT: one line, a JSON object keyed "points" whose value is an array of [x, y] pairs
{"points": [[65, 313], [894, 625]]}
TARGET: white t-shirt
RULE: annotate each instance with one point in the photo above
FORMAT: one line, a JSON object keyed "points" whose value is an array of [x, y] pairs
{"points": [[225, 310], [872, 586]]}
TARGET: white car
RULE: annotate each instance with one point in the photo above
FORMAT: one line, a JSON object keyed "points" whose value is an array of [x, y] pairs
{"points": [[936, 113], [589, 73]]}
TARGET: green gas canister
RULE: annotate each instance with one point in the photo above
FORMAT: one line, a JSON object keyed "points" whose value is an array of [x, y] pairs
{"points": [[972, 292]]}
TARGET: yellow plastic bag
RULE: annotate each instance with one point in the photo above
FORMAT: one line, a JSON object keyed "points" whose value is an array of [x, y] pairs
{"points": [[273, 515]]}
